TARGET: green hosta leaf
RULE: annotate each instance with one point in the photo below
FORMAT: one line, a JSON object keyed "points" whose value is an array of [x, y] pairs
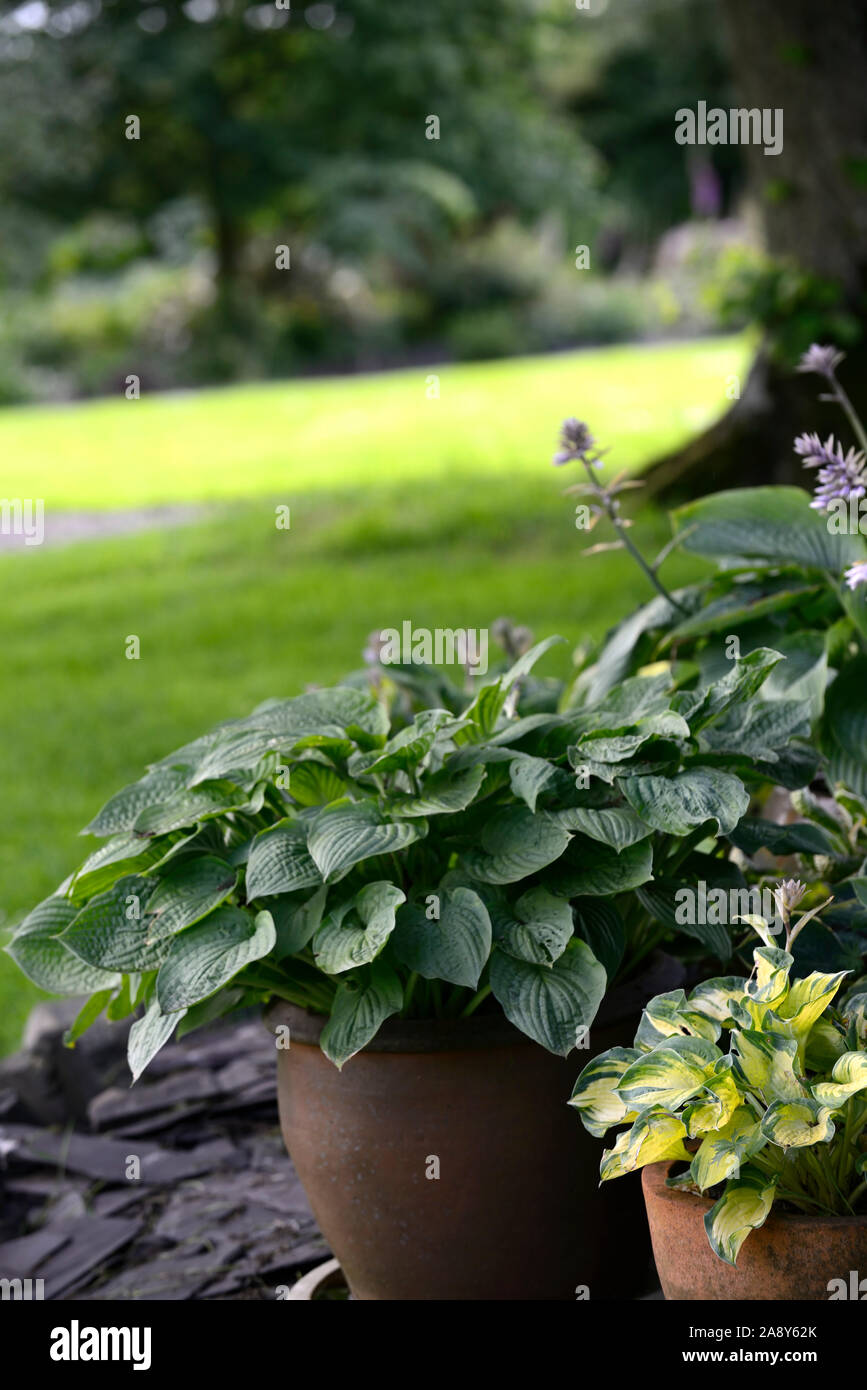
{"points": [[528, 659], [619, 827], [607, 746], [238, 752], [672, 903], [537, 929], [443, 792], [846, 718], [529, 776], [347, 832], [114, 932], [595, 1094], [599, 924], [743, 1207], [124, 808], [280, 861], [552, 1004], [848, 1077], [739, 685], [355, 932], [669, 1016], [854, 1011], [723, 1153], [670, 1074], [776, 524], [454, 948], [796, 1124], [590, 869], [679, 804], [39, 951], [482, 715], [313, 784], [767, 1063], [205, 957], [408, 747], [192, 805], [655, 1136], [88, 1014], [147, 1035], [753, 834], [296, 920], [361, 1004], [189, 891], [516, 843], [124, 854]]}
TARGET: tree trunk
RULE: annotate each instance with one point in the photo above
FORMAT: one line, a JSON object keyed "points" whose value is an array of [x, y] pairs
{"points": [[812, 64]]}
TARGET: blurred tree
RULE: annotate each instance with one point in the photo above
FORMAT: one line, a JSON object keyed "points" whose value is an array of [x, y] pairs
{"points": [[288, 120], [813, 201]]}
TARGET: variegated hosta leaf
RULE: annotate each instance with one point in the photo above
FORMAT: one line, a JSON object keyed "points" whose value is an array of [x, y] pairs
{"points": [[855, 1015], [771, 984], [825, 1043], [669, 1016], [806, 1001], [655, 1135], [798, 1123], [767, 1063], [722, 1153], [743, 1207], [669, 1075], [848, 1077], [715, 997], [595, 1096], [715, 1103]]}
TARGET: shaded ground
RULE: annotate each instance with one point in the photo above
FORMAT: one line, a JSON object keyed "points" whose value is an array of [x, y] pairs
{"points": [[217, 1211]]}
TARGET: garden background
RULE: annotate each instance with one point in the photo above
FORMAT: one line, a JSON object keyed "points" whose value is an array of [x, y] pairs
{"points": [[288, 286]]}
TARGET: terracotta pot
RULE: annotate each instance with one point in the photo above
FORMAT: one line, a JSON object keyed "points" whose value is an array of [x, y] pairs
{"points": [[790, 1257], [514, 1211]]}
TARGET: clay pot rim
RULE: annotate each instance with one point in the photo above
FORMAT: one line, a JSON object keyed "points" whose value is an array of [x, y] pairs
{"points": [[653, 1183], [480, 1030]]}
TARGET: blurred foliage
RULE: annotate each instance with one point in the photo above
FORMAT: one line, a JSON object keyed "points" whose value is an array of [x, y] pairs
{"points": [[262, 127]]}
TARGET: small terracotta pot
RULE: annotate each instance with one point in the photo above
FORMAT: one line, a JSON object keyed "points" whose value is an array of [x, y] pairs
{"points": [[789, 1258], [443, 1162]]}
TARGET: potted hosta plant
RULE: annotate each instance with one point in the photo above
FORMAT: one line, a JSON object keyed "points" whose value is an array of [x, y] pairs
{"points": [[438, 906], [746, 1106]]}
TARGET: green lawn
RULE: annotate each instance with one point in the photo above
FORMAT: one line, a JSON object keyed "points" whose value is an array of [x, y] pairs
{"points": [[388, 523], [494, 419]]}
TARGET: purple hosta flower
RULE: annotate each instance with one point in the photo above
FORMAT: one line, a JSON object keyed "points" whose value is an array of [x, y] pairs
{"points": [[824, 361], [374, 649], [841, 476], [575, 441], [856, 574]]}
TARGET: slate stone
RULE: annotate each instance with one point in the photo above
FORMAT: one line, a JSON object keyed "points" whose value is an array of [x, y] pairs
{"points": [[118, 1104], [20, 1259], [92, 1241], [177, 1275], [97, 1157]]}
